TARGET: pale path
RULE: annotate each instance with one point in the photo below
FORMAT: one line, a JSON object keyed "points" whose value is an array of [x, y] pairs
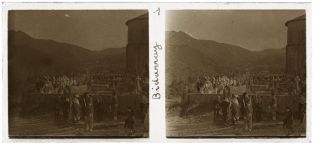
{"points": [[45, 126], [203, 126]]}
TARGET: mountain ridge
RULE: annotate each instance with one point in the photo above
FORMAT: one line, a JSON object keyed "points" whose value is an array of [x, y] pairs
{"points": [[186, 56], [28, 56]]}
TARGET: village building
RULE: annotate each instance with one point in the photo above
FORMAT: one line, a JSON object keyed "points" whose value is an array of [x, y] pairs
{"points": [[137, 48], [296, 48]]}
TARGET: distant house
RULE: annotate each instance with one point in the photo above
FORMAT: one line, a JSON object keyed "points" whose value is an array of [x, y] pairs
{"points": [[296, 46], [137, 48]]}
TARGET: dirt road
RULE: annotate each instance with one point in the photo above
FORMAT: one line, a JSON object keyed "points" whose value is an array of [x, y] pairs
{"points": [[45, 126]]}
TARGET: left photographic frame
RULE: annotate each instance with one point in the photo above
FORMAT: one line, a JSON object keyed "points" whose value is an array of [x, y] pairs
{"points": [[78, 73]]}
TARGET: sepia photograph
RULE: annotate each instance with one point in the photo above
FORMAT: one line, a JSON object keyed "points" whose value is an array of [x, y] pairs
{"points": [[236, 73], [78, 73]]}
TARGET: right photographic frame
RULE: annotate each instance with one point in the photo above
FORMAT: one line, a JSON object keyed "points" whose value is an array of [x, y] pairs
{"points": [[236, 73]]}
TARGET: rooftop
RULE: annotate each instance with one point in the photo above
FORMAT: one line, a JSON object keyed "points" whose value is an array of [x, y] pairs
{"points": [[300, 18], [141, 17]]}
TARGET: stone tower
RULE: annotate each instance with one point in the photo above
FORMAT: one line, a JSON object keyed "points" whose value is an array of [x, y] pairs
{"points": [[296, 46]]}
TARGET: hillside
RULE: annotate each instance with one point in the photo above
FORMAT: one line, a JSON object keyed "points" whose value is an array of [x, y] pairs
{"points": [[31, 57], [186, 56], [109, 59]]}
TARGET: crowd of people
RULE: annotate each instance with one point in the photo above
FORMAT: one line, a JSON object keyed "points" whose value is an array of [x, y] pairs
{"points": [[99, 102], [230, 110], [231, 107], [215, 84], [73, 108], [55, 84]]}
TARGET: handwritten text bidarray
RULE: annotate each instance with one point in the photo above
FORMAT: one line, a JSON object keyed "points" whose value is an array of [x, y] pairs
{"points": [[156, 76]]}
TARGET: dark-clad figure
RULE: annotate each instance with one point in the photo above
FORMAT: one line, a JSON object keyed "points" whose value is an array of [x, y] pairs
{"points": [[76, 109], [185, 100], [115, 104], [248, 112], [235, 109], [288, 121], [143, 105], [258, 108], [217, 116], [138, 84], [301, 114], [302, 108], [67, 107], [274, 106], [59, 109], [225, 105], [88, 104], [198, 85], [130, 121], [241, 104]]}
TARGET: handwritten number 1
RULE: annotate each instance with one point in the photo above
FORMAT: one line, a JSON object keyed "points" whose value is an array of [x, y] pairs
{"points": [[157, 11]]}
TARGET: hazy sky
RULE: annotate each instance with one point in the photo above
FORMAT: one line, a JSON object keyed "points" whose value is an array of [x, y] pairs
{"points": [[250, 29], [90, 29]]}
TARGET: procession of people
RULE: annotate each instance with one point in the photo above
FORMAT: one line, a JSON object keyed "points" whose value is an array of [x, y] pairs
{"points": [[95, 98], [247, 99]]}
